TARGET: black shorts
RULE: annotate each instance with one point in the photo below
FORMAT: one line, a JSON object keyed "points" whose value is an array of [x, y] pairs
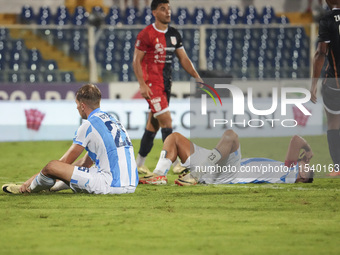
{"points": [[331, 99]]}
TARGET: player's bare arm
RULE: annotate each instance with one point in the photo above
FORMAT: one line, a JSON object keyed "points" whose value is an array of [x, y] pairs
{"points": [[137, 67], [318, 62], [187, 64], [297, 143]]}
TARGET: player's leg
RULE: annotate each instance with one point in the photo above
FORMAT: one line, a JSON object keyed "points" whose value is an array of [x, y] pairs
{"points": [[165, 123], [47, 177], [174, 145], [228, 144], [333, 137], [146, 143]]}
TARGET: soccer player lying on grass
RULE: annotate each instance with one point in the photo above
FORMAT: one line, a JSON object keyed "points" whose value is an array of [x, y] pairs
{"points": [[223, 164], [107, 144]]}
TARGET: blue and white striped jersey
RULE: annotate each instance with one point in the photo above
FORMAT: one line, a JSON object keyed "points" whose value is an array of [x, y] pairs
{"points": [[109, 147], [263, 170]]}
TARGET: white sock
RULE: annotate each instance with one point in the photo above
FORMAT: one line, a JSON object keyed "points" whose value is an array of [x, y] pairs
{"points": [[60, 185], [163, 165], [41, 182], [140, 160], [176, 162]]}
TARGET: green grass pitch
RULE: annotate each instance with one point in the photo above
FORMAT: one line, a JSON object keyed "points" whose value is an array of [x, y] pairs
{"points": [[224, 219]]}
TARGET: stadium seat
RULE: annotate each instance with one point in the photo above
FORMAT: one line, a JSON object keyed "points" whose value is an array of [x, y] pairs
{"points": [[50, 77], [233, 16], [268, 15], [182, 16], [282, 20], [67, 77], [17, 44], [14, 77], [33, 77], [199, 16], [62, 16], [131, 17], [3, 33], [147, 18], [50, 65], [216, 16], [250, 17], [80, 16], [44, 16], [27, 15], [113, 17]]}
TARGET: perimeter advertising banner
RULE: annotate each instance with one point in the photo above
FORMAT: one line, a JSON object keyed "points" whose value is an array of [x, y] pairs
{"points": [[58, 120]]}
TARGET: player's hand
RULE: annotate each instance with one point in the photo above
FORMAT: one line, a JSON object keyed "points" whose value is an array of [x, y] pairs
{"points": [[306, 156], [25, 187], [145, 91]]}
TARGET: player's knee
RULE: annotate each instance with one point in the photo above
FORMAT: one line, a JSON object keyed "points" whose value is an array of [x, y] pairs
{"points": [[49, 168], [230, 135]]}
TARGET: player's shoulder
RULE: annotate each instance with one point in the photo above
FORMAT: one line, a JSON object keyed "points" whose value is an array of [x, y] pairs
{"points": [[146, 29], [172, 30]]}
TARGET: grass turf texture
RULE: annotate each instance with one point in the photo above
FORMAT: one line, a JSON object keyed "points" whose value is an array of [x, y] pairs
{"points": [[234, 219]]}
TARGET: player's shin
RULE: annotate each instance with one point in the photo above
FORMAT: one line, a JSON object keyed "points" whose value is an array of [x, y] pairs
{"points": [[163, 165], [41, 182]]}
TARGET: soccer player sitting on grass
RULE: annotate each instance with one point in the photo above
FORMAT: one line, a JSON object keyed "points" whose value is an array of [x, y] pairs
{"points": [[223, 164], [108, 146]]}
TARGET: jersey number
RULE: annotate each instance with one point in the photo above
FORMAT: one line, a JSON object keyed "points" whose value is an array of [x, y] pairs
{"points": [[119, 129]]}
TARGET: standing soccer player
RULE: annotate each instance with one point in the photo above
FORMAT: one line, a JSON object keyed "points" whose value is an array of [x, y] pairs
{"points": [[108, 147], [329, 45], [154, 52]]}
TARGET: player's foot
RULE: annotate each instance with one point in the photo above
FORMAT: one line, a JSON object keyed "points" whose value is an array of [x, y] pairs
{"points": [[143, 170], [179, 169], [153, 179], [11, 188], [186, 180]]}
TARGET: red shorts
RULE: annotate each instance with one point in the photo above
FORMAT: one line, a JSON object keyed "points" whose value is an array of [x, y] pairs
{"points": [[158, 103]]}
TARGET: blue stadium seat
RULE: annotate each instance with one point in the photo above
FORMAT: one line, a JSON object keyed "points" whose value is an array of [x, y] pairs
{"points": [[250, 17], [44, 17], [233, 16], [67, 77], [17, 44], [50, 77], [147, 18], [80, 16], [216, 16], [282, 20], [114, 16], [131, 17], [182, 16], [50, 65], [27, 15], [62, 16], [3, 33], [33, 77], [268, 15], [199, 16], [14, 77]]}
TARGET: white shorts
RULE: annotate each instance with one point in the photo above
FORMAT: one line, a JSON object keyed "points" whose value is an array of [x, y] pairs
{"points": [[227, 169], [90, 180]]}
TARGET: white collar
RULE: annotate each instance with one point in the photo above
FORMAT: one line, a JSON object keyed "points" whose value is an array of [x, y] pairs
{"points": [[161, 31]]}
